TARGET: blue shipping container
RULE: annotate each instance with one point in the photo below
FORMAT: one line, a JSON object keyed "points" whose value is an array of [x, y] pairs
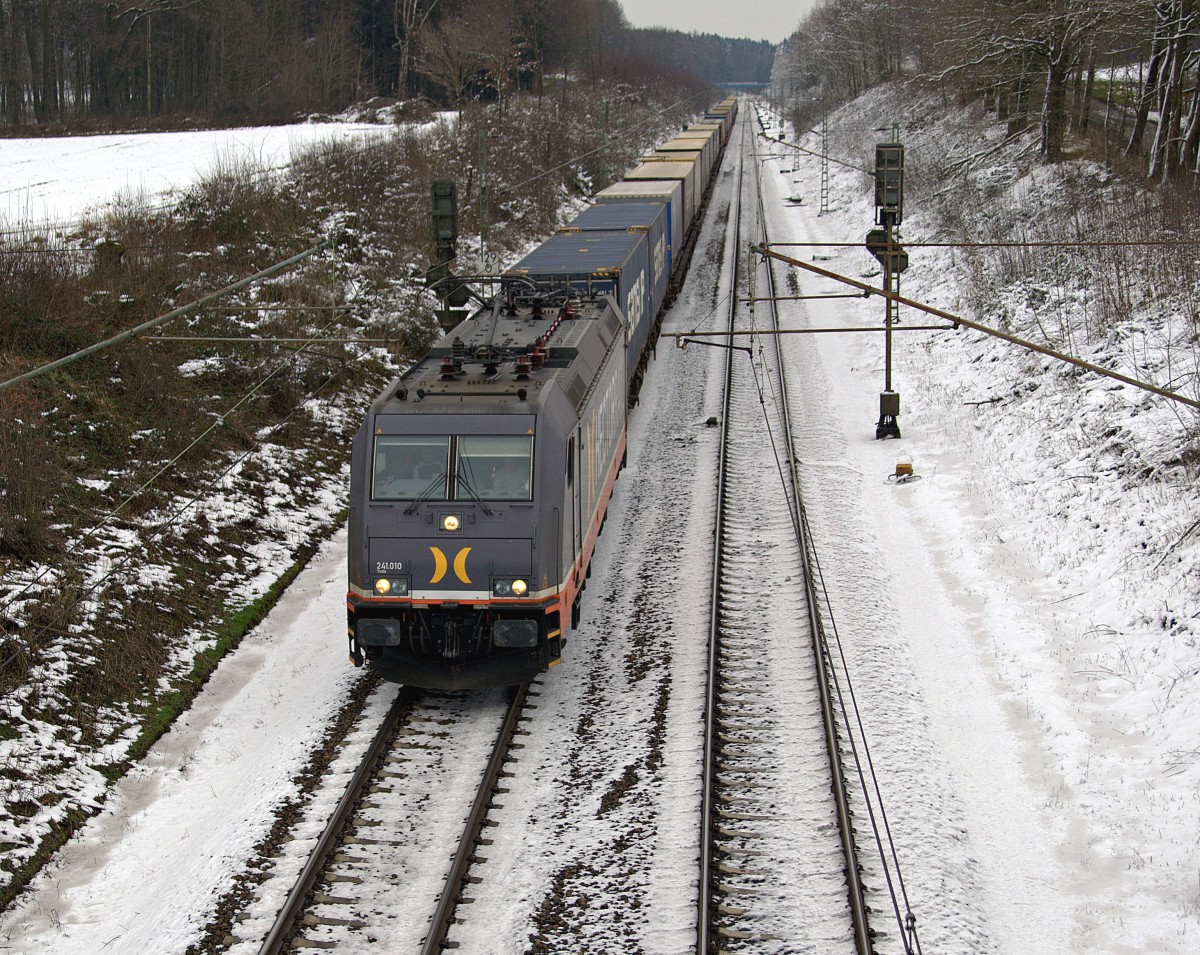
{"points": [[647, 217], [668, 192], [616, 263]]}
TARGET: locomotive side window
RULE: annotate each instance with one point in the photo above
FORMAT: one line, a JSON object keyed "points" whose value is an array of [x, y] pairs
{"points": [[408, 467], [495, 467]]}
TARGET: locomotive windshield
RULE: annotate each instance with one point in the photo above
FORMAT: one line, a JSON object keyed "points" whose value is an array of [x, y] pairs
{"points": [[487, 468], [410, 467], [496, 467]]}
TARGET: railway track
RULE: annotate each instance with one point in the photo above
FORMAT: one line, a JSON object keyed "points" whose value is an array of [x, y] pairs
{"points": [[779, 866], [773, 781], [391, 864]]}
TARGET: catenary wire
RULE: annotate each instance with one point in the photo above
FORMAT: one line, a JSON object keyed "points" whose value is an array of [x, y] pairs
{"points": [[92, 533], [125, 336], [131, 333], [803, 531], [27, 643]]}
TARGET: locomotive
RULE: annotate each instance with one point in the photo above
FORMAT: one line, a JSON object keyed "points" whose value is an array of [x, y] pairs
{"points": [[481, 476]]}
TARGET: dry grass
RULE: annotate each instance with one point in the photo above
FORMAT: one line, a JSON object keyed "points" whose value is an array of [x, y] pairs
{"points": [[100, 461]]}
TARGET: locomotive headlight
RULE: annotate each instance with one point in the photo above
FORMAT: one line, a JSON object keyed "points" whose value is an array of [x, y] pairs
{"points": [[392, 586], [508, 587], [451, 522]]}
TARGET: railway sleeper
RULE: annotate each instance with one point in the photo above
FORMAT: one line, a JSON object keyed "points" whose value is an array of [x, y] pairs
{"points": [[322, 899], [743, 786], [740, 852], [319, 920], [727, 888], [747, 816], [362, 841]]}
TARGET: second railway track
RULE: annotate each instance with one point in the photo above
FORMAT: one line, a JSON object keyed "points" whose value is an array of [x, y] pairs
{"points": [[780, 861]]}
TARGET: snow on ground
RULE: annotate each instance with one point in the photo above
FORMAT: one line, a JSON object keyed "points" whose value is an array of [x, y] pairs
{"points": [[146, 872], [1018, 620], [972, 842], [57, 178], [1042, 579]]}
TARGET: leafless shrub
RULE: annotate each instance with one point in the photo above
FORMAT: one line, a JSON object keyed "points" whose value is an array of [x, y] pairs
{"points": [[147, 428]]}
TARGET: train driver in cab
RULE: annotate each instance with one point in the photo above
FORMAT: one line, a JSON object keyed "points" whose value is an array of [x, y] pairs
{"points": [[427, 463], [511, 478]]}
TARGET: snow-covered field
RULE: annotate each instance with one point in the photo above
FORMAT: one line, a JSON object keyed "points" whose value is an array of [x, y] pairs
{"points": [[56, 179], [1019, 621]]}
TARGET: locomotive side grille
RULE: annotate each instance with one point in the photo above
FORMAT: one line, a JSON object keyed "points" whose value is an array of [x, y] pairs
{"points": [[575, 389]]}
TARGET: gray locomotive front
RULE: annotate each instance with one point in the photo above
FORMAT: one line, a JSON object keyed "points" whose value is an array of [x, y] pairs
{"points": [[472, 491]]}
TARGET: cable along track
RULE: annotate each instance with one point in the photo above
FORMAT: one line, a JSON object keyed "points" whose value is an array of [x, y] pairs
{"points": [[390, 867], [779, 865]]}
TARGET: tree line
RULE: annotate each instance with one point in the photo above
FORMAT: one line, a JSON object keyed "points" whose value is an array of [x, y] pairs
{"points": [[1062, 66], [63, 61], [713, 58]]}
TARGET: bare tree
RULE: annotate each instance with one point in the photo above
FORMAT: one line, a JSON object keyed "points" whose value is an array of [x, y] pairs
{"points": [[497, 42], [1175, 134], [409, 18], [448, 56]]}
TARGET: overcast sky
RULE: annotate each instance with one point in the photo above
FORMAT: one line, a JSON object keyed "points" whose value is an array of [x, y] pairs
{"points": [[771, 20]]}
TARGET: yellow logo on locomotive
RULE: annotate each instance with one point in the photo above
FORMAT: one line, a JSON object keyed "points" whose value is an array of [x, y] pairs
{"points": [[440, 565]]}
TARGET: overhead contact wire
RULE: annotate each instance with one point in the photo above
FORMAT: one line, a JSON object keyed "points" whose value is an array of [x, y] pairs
{"points": [[132, 333], [907, 922], [91, 534], [907, 925]]}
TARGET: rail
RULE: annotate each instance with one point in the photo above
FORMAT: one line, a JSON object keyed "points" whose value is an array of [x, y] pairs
{"points": [[709, 772], [443, 917], [854, 886], [285, 922]]}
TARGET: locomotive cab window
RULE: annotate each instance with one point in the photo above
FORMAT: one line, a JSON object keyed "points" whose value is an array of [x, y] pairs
{"points": [[408, 467], [495, 467]]}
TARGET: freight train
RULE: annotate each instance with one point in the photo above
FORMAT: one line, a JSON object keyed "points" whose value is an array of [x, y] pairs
{"points": [[481, 476]]}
